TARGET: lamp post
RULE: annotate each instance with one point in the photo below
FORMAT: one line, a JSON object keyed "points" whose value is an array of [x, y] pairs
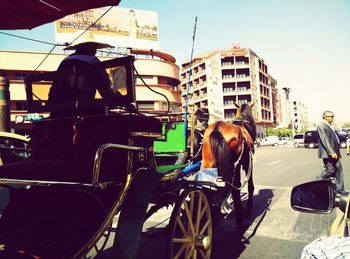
{"points": [[287, 93]]}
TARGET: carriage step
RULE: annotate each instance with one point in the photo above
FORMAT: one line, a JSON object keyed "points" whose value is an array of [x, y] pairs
{"points": [[163, 169]]}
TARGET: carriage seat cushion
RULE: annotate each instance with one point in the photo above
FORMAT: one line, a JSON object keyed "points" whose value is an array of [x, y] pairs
{"points": [[45, 170], [53, 140]]}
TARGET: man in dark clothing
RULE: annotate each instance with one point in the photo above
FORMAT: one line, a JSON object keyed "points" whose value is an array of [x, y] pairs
{"points": [[79, 86], [329, 151]]}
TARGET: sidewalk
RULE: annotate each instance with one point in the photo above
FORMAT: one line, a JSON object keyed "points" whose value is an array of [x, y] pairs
{"points": [[274, 229]]}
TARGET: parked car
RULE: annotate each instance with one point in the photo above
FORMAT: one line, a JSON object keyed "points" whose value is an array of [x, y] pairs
{"points": [[311, 138], [269, 141], [283, 141], [257, 142], [298, 140], [347, 130], [13, 147], [343, 136]]}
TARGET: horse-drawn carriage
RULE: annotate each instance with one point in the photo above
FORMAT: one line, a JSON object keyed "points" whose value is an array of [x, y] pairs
{"points": [[103, 158], [85, 168]]}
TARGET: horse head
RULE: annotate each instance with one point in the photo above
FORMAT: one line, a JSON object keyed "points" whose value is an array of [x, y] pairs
{"points": [[245, 111], [202, 116]]}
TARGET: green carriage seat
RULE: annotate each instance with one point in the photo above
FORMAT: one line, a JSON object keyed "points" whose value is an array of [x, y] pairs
{"points": [[171, 149]]}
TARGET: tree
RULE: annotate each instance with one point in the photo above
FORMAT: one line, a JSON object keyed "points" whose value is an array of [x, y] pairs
{"points": [[280, 132]]}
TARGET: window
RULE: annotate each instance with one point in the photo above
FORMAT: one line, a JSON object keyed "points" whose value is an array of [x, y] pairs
{"points": [[20, 76], [21, 106], [145, 106]]}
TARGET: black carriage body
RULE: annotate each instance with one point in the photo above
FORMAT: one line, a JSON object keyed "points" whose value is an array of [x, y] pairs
{"points": [[64, 192], [80, 170]]}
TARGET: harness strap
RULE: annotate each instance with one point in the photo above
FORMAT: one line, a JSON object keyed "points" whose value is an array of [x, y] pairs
{"points": [[240, 155], [248, 175]]}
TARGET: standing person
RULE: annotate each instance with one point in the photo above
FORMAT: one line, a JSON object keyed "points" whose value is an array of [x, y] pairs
{"points": [[329, 151], [80, 86], [133, 25]]}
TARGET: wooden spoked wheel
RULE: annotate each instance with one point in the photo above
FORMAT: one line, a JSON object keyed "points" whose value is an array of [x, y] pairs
{"points": [[191, 230], [100, 245]]}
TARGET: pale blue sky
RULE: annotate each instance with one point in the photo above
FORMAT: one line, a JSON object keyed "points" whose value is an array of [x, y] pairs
{"points": [[305, 43]]}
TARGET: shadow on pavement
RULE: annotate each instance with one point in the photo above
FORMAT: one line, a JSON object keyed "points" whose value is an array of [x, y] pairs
{"points": [[230, 240]]}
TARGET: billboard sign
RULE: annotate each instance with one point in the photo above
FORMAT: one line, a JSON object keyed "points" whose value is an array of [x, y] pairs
{"points": [[120, 27]]}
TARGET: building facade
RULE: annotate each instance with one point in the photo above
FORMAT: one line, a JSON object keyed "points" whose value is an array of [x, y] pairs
{"points": [[157, 69], [293, 112], [285, 116], [219, 79], [300, 116]]}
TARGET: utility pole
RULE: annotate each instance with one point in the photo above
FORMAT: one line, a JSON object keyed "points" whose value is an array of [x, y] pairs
{"points": [[287, 93], [4, 105], [187, 94]]}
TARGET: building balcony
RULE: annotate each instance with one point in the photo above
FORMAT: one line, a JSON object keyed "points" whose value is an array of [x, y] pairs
{"points": [[229, 106], [228, 93], [227, 64], [235, 79], [200, 86], [242, 64]]}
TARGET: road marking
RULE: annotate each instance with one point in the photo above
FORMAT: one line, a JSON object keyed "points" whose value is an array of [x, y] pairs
{"points": [[276, 162]]}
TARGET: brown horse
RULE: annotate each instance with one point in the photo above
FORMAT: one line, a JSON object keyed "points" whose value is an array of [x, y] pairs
{"points": [[228, 147]]}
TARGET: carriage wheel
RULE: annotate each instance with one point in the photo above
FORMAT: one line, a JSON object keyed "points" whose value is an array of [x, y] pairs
{"points": [[100, 245], [190, 226]]}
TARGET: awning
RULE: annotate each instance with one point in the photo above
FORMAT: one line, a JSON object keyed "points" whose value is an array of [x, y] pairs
{"points": [[27, 14]]}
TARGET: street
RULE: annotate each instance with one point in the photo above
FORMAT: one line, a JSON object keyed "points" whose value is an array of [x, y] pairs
{"points": [[277, 231], [272, 229]]}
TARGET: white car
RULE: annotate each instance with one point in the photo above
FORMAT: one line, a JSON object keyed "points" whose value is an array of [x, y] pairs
{"points": [[298, 140], [283, 141], [269, 141]]}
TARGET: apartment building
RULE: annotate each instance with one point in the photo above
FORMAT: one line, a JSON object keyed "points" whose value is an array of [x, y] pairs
{"points": [[284, 116], [157, 69], [300, 116], [218, 79]]}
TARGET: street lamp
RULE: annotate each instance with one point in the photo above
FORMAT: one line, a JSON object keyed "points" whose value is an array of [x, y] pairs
{"points": [[287, 92]]}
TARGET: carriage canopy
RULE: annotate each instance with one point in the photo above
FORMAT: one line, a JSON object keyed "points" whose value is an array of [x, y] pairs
{"points": [[27, 14]]}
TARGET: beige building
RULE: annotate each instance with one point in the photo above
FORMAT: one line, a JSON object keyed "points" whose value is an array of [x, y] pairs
{"points": [[221, 78], [300, 116], [293, 112], [157, 69], [284, 116]]}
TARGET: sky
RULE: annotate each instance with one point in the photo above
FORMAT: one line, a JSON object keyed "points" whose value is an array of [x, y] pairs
{"points": [[304, 43]]}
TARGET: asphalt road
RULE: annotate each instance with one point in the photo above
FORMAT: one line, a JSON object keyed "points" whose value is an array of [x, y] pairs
{"points": [[272, 229], [276, 230], [288, 166]]}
